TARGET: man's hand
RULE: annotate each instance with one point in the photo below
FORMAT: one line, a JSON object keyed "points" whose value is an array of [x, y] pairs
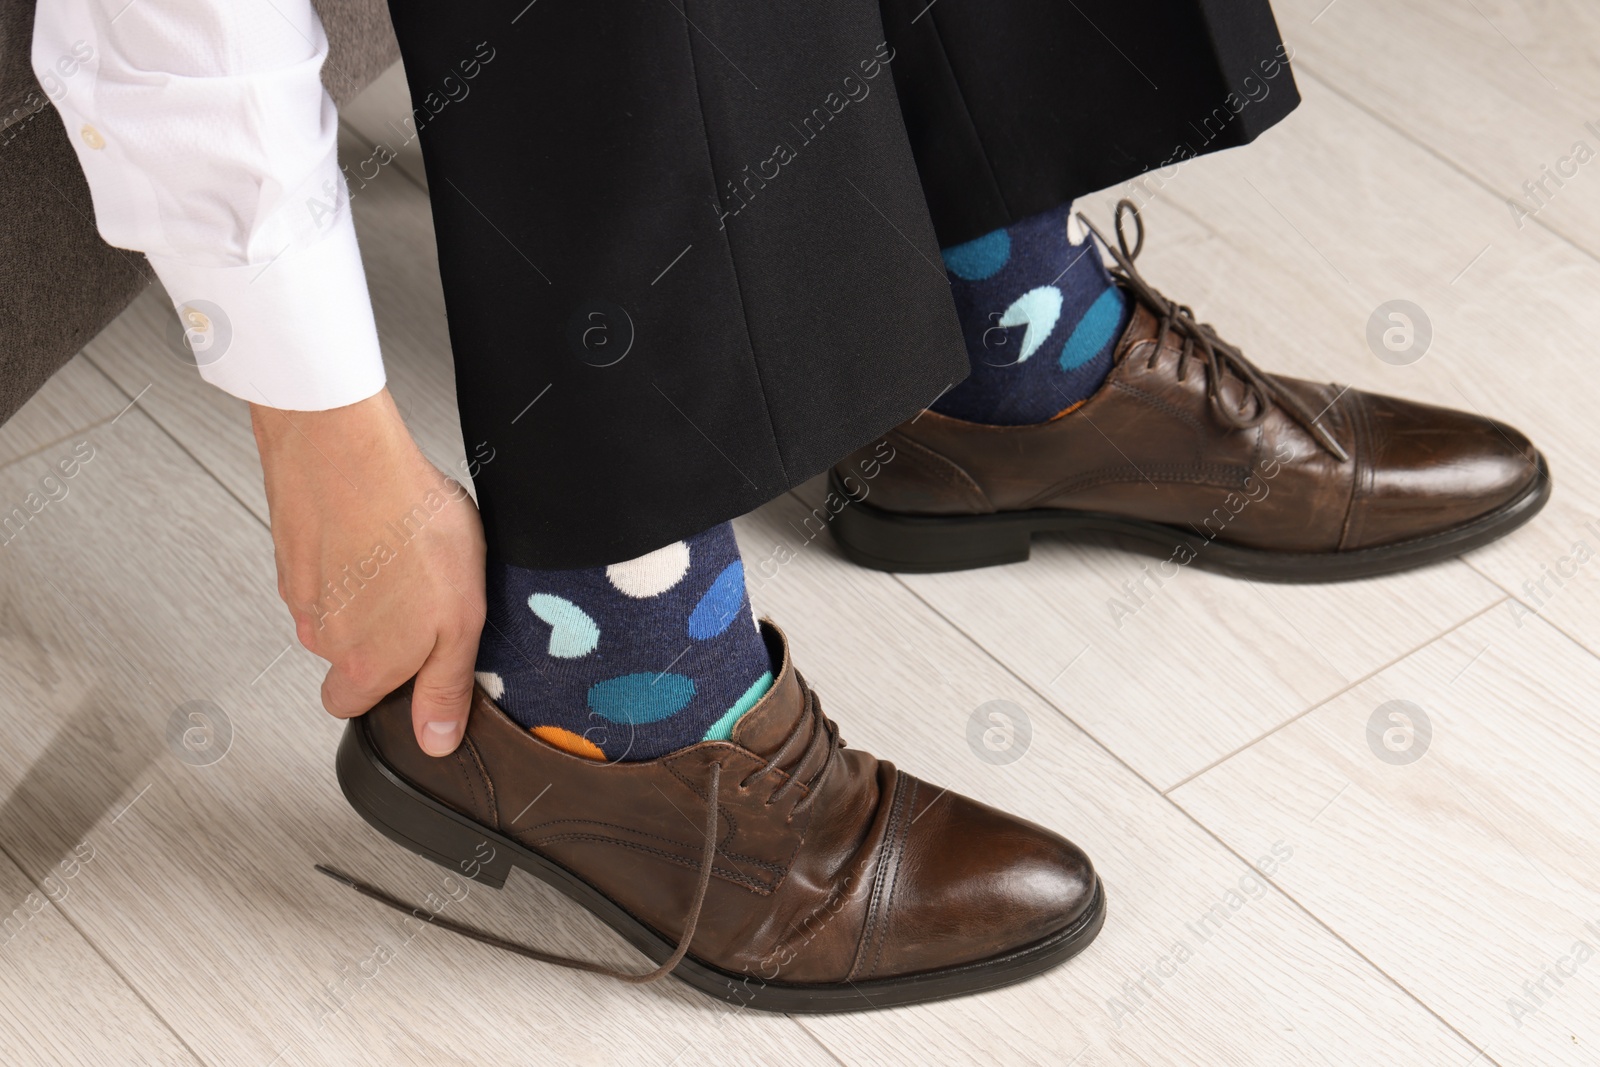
{"points": [[380, 560]]}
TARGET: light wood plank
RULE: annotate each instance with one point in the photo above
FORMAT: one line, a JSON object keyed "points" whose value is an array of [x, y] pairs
{"points": [[1503, 89], [1271, 988], [1464, 873], [52, 983], [1207, 664], [76, 396], [147, 587], [381, 115]]}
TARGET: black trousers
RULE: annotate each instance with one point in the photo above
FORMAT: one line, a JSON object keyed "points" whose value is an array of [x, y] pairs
{"points": [[690, 249]]}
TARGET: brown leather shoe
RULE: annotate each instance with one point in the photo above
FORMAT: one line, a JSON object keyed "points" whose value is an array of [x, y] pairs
{"points": [[838, 883], [1199, 457]]}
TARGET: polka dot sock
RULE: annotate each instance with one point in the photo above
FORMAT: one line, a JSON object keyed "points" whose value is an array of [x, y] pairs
{"points": [[1041, 317], [630, 661]]}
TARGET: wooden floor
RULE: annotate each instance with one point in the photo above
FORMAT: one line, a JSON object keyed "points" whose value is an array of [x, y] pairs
{"points": [[1278, 893]]}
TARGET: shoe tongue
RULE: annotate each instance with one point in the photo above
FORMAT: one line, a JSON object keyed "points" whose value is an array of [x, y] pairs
{"points": [[1141, 327], [764, 727]]}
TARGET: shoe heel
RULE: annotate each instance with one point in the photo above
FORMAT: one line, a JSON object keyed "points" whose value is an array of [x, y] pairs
{"points": [[412, 819], [924, 544]]}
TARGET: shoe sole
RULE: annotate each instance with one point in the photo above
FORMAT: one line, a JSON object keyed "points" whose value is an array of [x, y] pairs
{"points": [[923, 544], [411, 818]]}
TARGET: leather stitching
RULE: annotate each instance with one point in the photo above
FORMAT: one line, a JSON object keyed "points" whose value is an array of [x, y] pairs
{"points": [[799, 838], [689, 783], [458, 760], [782, 872], [1166, 407], [488, 784], [889, 899], [1221, 475], [1360, 461], [869, 927], [733, 823], [885, 873], [694, 864], [776, 868], [941, 469]]}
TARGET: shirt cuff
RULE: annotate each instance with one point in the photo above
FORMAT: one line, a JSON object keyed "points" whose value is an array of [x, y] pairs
{"points": [[295, 333]]}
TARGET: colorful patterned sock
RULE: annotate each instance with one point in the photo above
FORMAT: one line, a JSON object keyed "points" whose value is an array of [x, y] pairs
{"points": [[1041, 317], [630, 661]]}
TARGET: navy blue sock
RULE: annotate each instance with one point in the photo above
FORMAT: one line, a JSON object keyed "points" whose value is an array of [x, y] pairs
{"points": [[1041, 317], [630, 661]]}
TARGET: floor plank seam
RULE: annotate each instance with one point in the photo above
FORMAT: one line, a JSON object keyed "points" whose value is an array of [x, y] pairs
{"points": [[1461, 169], [1556, 626], [1207, 830], [76, 432], [1446, 632], [1308, 913], [94, 947], [834, 1056], [171, 436], [368, 141]]}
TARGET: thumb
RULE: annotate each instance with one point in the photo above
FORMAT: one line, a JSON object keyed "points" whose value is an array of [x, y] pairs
{"points": [[442, 695]]}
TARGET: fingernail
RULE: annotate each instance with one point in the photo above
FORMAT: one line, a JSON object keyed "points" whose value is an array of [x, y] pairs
{"points": [[439, 738]]}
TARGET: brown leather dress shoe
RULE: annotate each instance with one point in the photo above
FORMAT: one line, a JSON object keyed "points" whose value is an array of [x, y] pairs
{"points": [[777, 870], [1199, 457]]}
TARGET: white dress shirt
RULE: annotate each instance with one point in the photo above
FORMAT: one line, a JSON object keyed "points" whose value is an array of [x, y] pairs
{"points": [[210, 146]]}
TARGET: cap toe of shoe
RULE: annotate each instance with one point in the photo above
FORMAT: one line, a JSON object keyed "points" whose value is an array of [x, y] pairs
{"points": [[971, 883], [1429, 469]]}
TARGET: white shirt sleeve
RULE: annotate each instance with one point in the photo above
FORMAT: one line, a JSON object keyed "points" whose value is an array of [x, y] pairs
{"points": [[210, 145]]}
